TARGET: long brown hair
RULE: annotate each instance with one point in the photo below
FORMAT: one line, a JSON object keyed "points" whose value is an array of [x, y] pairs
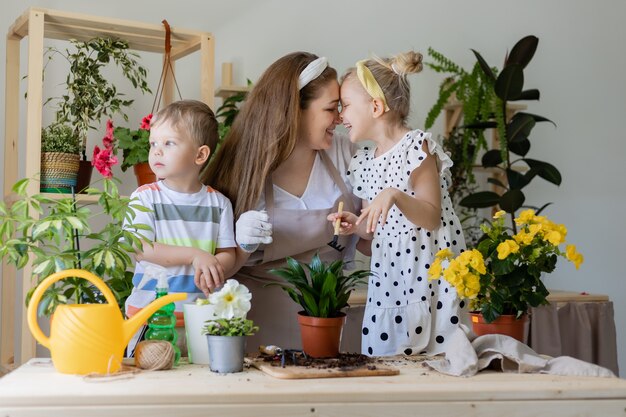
{"points": [[265, 131]]}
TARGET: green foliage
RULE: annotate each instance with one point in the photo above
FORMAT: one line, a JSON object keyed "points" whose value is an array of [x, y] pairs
{"points": [[135, 145], [59, 138], [236, 326], [90, 95], [513, 134], [226, 114], [323, 290], [42, 230]]}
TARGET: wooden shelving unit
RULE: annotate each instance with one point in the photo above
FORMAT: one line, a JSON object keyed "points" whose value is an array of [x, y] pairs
{"points": [[227, 88], [37, 24]]}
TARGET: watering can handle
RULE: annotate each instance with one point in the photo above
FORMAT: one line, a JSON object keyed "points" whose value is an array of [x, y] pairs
{"points": [[43, 286]]}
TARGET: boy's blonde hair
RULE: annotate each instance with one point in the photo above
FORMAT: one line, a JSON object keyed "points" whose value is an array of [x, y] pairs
{"points": [[390, 74], [195, 117]]}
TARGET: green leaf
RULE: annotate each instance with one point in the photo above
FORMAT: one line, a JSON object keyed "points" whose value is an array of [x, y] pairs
{"points": [[538, 118], [511, 200], [519, 147], [480, 199], [523, 51], [492, 158], [497, 182], [484, 66], [545, 170], [532, 94], [516, 180], [519, 127], [510, 82], [19, 187]]}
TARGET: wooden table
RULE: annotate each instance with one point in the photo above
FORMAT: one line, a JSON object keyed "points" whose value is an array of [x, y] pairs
{"points": [[35, 389]]}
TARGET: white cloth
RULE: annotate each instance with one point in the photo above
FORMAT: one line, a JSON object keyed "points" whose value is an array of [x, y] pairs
{"points": [[321, 191], [405, 313], [507, 354]]}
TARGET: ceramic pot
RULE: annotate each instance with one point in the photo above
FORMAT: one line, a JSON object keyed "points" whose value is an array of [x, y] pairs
{"points": [[506, 324], [321, 337], [195, 316], [85, 169], [226, 353], [144, 174]]}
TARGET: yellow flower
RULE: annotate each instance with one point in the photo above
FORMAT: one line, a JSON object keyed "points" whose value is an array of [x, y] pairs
{"points": [[445, 253], [499, 214], [472, 285], [523, 238], [434, 271], [477, 262], [506, 248], [553, 237], [525, 217], [573, 256]]}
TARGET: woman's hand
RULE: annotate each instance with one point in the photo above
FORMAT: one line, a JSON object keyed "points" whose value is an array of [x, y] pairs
{"points": [[378, 209], [253, 228], [347, 225]]}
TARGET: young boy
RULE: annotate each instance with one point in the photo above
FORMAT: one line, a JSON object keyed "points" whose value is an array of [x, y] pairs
{"points": [[192, 223]]}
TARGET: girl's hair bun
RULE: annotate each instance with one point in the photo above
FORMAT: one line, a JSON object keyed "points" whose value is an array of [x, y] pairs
{"points": [[407, 63]]}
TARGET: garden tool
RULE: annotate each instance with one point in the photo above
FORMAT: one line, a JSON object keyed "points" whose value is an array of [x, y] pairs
{"points": [[89, 338], [333, 243]]}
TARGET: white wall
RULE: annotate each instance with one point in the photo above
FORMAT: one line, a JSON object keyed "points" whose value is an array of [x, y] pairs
{"points": [[578, 67]]}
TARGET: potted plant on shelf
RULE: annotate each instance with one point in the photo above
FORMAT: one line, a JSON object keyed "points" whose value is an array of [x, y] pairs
{"points": [[323, 291], [60, 156], [135, 147], [59, 237], [90, 95], [502, 277], [226, 332]]}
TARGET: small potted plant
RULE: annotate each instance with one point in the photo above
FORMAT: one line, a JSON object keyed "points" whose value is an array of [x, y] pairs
{"points": [[226, 333], [323, 291], [60, 157], [502, 278], [135, 147]]}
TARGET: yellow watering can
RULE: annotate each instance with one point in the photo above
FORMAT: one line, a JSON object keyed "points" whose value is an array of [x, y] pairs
{"points": [[88, 338]]}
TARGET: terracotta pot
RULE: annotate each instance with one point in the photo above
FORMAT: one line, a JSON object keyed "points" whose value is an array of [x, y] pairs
{"points": [[84, 175], [506, 324], [144, 174], [321, 337]]}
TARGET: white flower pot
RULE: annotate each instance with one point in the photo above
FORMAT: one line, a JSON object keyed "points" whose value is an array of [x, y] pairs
{"points": [[195, 316]]}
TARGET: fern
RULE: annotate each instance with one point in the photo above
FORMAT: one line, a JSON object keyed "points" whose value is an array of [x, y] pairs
{"points": [[445, 91]]}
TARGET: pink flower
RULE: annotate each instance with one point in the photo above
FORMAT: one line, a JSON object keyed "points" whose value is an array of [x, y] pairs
{"points": [[103, 160], [109, 140], [145, 122]]}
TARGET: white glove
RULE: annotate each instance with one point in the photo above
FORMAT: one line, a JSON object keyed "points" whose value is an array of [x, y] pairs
{"points": [[252, 228]]}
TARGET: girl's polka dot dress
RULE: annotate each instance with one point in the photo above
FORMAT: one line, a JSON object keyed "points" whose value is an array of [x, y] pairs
{"points": [[405, 313]]}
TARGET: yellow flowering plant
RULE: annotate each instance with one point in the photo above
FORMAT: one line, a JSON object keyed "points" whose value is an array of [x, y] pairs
{"points": [[503, 274]]}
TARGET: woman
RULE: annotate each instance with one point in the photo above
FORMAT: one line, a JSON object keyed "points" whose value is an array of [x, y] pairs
{"points": [[284, 169]]}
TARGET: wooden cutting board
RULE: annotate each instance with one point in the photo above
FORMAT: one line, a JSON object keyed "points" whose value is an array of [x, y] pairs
{"points": [[303, 372]]}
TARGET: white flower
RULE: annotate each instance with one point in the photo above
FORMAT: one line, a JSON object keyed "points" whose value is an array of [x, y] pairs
{"points": [[233, 300]]}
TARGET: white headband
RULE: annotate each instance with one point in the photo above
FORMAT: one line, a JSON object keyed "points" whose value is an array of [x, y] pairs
{"points": [[312, 71]]}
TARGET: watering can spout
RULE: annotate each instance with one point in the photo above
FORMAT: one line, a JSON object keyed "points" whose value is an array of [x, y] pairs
{"points": [[132, 324]]}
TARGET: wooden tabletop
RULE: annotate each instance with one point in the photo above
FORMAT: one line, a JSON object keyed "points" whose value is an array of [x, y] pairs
{"points": [[36, 389]]}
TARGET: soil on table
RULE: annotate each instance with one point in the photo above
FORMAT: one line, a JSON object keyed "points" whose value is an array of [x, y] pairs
{"points": [[345, 361]]}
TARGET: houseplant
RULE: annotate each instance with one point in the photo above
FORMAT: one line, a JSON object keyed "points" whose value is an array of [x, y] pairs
{"points": [[322, 291], [135, 145], [59, 237], [90, 95], [60, 156], [512, 134], [226, 332], [503, 275]]}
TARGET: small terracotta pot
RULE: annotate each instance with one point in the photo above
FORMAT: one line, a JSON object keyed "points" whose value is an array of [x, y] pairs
{"points": [[321, 337], [506, 324], [144, 174]]}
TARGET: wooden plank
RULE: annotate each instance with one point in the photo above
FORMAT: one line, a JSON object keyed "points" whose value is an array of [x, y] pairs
{"points": [[227, 74], [301, 372], [186, 49], [168, 84], [207, 70], [227, 91]]}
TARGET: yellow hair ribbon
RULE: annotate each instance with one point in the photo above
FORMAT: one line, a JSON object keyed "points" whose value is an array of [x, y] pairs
{"points": [[369, 83]]}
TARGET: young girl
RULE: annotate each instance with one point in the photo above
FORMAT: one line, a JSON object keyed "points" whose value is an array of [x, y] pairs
{"points": [[407, 211]]}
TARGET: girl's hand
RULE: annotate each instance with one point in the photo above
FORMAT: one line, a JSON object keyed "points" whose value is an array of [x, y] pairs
{"points": [[209, 273], [348, 220], [378, 209]]}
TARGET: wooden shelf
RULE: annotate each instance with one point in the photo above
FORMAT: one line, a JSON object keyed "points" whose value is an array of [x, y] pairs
{"points": [[38, 24], [227, 91]]}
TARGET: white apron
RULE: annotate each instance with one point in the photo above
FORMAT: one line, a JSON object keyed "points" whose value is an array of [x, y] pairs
{"points": [[297, 233]]}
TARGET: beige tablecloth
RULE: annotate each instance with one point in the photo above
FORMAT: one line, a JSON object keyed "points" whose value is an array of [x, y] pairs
{"points": [[582, 330]]}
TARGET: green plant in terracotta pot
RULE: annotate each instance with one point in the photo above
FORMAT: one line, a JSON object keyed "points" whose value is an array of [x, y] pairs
{"points": [[226, 332], [503, 275], [135, 146], [322, 290]]}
